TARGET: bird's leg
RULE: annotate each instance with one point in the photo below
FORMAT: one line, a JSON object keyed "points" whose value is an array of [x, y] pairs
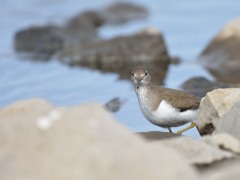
{"points": [[187, 128], [169, 129]]}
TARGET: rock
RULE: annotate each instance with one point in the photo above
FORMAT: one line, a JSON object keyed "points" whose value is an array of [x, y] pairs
{"points": [[230, 122], [196, 152], [122, 12], [224, 141], [149, 31], [39, 141], [222, 56], [114, 104], [213, 106], [81, 29], [48, 40], [84, 26], [41, 40], [227, 170], [121, 50], [156, 135], [122, 54], [199, 86], [77, 43]]}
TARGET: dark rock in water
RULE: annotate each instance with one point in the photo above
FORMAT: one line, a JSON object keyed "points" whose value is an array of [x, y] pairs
{"points": [[157, 135], [114, 104], [199, 86], [47, 40], [121, 50], [122, 12], [77, 43], [222, 56], [42, 40], [122, 54], [84, 26]]}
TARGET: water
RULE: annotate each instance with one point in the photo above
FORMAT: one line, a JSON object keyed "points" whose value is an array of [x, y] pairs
{"points": [[187, 27]]}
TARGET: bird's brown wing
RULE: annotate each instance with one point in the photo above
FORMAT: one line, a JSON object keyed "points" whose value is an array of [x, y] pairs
{"points": [[181, 100]]}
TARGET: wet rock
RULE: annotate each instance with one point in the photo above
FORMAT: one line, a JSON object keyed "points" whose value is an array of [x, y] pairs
{"points": [[40, 40], [114, 104], [156, 135], [222, 56], [121, 50], [48, 40], [196, 152], [122, 54], [83, 27], [213, 106], [199, 86], [230, 122], [39, 141], [121, 12]]}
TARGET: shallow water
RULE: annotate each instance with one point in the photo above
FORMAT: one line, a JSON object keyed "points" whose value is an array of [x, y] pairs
{"points": [[187, 27]]}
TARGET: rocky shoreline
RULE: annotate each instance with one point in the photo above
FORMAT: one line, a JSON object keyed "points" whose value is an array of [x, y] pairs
{"points": [[41, 141], [77, 43]]}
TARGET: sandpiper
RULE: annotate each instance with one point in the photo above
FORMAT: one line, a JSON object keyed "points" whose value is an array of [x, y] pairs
{"points": [[164, 107]]}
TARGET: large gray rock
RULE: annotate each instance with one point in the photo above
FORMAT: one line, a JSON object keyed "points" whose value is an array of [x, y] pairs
{"points": [[40, 39], [214, 106], [222, 56], [39, 141], [137, 48], [48, 40], [122, 54], [230, 122]]}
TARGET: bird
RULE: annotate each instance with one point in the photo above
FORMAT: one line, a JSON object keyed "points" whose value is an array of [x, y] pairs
{"points": [[164, 107]]}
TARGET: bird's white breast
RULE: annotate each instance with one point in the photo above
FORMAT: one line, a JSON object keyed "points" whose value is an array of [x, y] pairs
{"points": [[168, 115]]}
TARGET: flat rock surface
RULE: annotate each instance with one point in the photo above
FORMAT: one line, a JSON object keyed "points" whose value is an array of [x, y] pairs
{"points": [[197, 152], [157, 135]]}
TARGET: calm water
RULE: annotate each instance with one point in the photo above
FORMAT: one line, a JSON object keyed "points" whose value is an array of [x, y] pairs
{"points": [[187, 27]]}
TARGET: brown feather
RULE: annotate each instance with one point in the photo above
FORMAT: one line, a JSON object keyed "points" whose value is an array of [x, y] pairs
{"points": [[178, 99]]}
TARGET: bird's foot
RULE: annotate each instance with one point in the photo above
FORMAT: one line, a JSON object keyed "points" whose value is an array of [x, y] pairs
{"points": [[187, 128], [169, 129]]}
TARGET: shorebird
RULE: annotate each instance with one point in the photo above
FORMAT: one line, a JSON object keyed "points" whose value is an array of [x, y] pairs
{"points": [[164, 107]]}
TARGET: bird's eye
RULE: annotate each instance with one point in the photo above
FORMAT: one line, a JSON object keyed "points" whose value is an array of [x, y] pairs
{"points": [[146, 73], [132, 74]]}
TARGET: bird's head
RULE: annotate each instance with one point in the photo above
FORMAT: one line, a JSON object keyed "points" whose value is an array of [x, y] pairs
{"points": [[140, 77]]}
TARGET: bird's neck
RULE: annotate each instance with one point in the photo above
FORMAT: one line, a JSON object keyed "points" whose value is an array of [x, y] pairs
{"points": [[142, 92]]}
